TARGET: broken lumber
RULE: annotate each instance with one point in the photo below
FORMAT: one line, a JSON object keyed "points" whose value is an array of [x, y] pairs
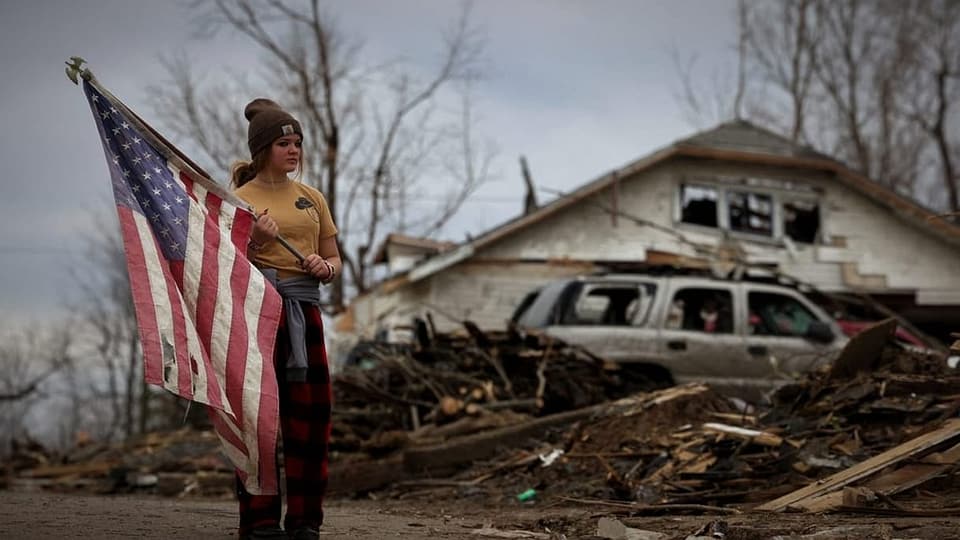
{"points": [[893, 482], [482, 445], [950, 430], [759, 437], [863, 350]]}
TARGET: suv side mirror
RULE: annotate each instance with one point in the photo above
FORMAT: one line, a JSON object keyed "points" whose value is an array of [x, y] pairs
{"points": [[819, 332]]}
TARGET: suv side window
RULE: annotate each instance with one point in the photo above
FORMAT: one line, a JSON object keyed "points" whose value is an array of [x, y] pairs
{"points": [[701, 309], [611, 304], [773, 314]]}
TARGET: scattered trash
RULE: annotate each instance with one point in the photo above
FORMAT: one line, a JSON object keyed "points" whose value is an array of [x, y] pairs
{"points": [[547, 460], [527, 495]]}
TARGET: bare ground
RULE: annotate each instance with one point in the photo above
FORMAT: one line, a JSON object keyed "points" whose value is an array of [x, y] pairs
{"points": [[51, 515]]}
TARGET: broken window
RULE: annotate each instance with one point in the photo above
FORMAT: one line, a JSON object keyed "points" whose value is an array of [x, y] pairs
{"points": [[774, 314], [612, 305], [701, 310], [801, 221], [750, 212], [698, 205]]}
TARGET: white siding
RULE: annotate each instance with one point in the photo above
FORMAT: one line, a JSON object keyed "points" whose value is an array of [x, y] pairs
{"points": [[867, 246], [877, 242], [488, 293]]}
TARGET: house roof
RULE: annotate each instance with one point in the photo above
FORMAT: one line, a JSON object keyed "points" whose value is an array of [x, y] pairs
{"points": [[738, 142], [742, 136], [427, 245]]}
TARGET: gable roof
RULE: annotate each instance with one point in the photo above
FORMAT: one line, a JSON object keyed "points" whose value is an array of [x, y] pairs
{"points": [[426, 245], [742, 136], [737, 141]]}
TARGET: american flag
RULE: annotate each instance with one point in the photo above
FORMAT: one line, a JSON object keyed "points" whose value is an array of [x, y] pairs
{"points": [[207, 318]]}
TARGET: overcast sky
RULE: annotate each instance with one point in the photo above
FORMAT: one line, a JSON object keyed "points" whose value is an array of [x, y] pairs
{"points": [[579, 87]]}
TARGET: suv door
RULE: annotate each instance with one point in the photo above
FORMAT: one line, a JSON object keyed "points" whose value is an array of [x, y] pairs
{"points": [[778, 329], [611, 319], [701, 335]]}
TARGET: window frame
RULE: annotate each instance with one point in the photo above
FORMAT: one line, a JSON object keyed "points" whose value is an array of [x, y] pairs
{"points": [[750, 292], [676, 289], [646, 289], [778, 198]]}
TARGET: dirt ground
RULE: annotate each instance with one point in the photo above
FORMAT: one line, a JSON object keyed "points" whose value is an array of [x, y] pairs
{"points": [[50, 515]]}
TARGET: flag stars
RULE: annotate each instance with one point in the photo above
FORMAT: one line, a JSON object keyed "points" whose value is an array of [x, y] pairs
{"points": [[164, 232], [125, 125], [126, 146], [179, 200], [113, 110], [169, 185], [157, 170], [146, 176], [126, 173], [104, 114], [175, 246], [178, 221], [137, 160], [116, 131], [167, 207], [156, 192], [155, 218], [136, 188], [136, 140]]}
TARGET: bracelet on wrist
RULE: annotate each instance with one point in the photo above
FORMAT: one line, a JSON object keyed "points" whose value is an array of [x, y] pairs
{"points": [[331, 271]]}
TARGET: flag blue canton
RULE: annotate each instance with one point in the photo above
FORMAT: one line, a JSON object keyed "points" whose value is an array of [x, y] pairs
{"points": [[142, 179]]}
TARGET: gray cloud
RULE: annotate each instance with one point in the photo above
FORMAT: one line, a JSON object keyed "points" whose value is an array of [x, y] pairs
{"points": [[578, 87]]}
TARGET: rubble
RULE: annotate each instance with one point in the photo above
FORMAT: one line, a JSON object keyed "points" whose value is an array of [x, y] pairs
{"points": [[506, 413]]}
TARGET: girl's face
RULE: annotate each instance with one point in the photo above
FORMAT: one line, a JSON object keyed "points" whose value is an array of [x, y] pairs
{"points": [[285, 154]]}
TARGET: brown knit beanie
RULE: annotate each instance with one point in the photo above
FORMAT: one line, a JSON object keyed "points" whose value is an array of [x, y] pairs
{"points": [[268, 122]]}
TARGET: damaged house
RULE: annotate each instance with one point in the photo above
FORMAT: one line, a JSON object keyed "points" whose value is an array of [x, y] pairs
{"points": [[735, 196]]}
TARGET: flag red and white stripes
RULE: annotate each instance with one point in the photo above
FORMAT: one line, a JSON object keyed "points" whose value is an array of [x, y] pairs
{"points": [[207, 318]]}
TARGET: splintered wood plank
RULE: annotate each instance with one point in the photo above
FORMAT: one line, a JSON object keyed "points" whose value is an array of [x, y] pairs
{"points": [[949, 430], [482, 445], [759, 437], [893, 482], [863, 350]]}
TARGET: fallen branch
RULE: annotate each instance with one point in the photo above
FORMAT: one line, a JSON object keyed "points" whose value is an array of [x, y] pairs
{"points": [[655, 508]]}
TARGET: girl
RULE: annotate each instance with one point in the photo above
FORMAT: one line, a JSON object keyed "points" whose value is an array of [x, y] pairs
{"points": [[300, 214]]}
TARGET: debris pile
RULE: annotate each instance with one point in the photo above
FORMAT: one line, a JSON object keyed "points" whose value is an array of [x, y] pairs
{"points": [[390, 393], [686, 445], [176, 463], [519, 417]]}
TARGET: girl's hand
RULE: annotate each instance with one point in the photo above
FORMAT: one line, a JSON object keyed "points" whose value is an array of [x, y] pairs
{"points": [[316, 266], [265, 229]]}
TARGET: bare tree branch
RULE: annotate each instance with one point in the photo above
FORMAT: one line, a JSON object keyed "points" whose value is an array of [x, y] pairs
{"points": [[379, 128]]}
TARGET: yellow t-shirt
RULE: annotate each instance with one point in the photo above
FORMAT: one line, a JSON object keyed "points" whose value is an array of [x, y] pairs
{"points": [[301, 213]]}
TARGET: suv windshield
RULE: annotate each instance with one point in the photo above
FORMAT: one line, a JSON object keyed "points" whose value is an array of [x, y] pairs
{"points": [[541, 311]]}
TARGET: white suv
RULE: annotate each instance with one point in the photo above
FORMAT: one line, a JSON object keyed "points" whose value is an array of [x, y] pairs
{"points": [[742, 337]]}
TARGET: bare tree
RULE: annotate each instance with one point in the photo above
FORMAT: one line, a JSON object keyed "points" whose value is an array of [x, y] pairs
{"points": [[706, 104], [780, 41], [933, 38], [112, 344], [378, 128], [29, 358], [855, 79]]}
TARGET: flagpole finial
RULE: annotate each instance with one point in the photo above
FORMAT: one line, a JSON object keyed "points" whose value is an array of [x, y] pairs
{"points": [[75, 67]]}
